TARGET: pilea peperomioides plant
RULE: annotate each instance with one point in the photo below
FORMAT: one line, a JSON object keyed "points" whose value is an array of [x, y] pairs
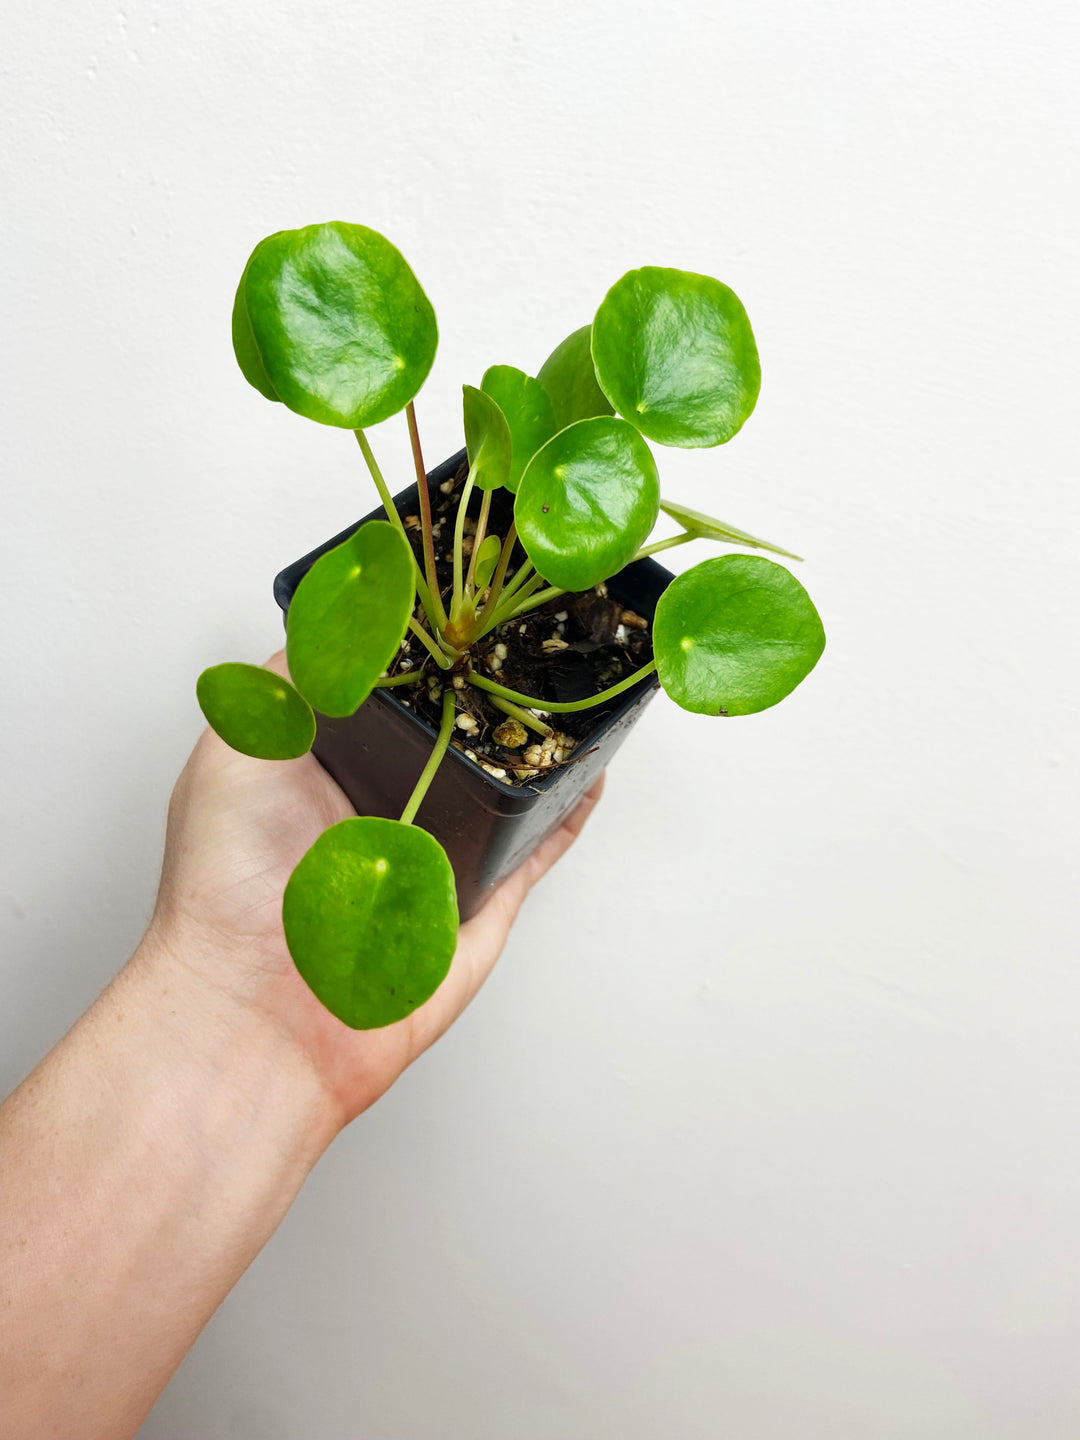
{"points": [[331, 321]]}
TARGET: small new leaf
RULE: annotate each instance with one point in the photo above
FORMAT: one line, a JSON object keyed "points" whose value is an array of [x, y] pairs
{"points": [[487, 557], [256, 711], [704, 526], [735, 635], [487, 439], [525, 404], [371, 918], [569, 378], [349, 616]]}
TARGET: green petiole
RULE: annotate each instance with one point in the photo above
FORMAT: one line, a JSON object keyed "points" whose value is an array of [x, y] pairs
{"points": [[524, 717], [442, 660], [478, 540], [408, 677], [458, 598], [439, 617], [483, 622], [523, 573], [534, 601], [442, 744], [554, 707], [658, 545], [395, 519]]}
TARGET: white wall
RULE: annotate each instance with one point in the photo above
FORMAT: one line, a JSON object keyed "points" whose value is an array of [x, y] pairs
{"points": [[766, 1125]]}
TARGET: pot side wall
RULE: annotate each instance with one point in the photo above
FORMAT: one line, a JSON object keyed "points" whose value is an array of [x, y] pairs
{"points": [[488, 828]]}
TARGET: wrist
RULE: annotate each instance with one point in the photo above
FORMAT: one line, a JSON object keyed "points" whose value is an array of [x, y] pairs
{"points": [[230, 1055]]}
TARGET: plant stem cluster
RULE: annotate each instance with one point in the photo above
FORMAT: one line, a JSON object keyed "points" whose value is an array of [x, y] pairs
{"points": [[449, 631]]}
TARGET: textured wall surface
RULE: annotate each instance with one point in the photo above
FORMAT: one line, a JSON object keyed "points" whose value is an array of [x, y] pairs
{"points": [[766, 1124]]}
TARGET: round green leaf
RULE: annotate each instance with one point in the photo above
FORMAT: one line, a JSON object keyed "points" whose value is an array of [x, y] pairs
{"points": [[487, 558], [348, 617], [704, 526], [587, 501], [371, 919], [735, 635], [331, 320], [487, 439], [674, 353], [525, 404], [256, 711], [245, 348], [570, 380]]}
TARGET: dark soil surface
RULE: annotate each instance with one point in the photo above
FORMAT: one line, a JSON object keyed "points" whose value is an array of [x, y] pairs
{"points": [[574, 646]]}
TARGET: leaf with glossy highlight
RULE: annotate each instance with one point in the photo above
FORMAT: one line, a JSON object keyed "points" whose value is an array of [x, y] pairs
{"points": [[256, 711], [487, 439], [587, 501], [675, 355], [371, 919], [331, 320], [525, 405], [569, 378], [695, 523], [487, 558], [735, 635], [349, 616]]}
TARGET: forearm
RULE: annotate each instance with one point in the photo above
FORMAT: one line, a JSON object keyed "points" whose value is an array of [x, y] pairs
{"points": [[145, 1163]]}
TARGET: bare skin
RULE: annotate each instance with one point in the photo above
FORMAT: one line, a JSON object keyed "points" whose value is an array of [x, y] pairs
{"points": [[154, 1151]]}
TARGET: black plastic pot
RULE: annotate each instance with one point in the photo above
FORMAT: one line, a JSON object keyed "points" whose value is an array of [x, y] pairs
{"points": [[486, 826]]}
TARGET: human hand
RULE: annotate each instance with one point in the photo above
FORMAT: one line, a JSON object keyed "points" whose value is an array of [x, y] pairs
{"points": [[237, 828], [155, 1149]]}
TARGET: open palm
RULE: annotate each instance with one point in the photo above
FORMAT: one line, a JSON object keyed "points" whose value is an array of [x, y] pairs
{"points": [[237, 828]]}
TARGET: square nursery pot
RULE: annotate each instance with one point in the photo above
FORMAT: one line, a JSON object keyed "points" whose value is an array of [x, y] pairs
{"points": [[487, 826]]}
